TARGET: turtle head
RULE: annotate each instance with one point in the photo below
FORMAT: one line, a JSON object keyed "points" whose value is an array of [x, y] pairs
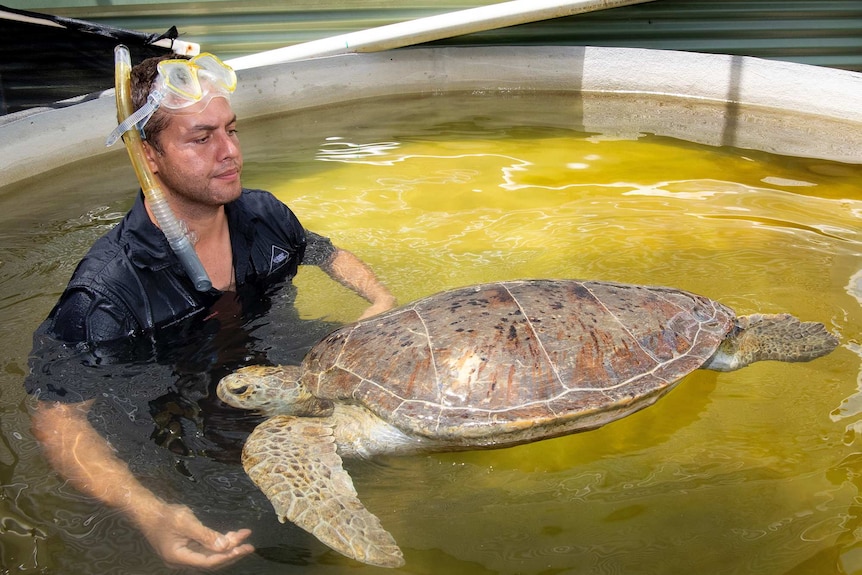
{"points": [[271, 390]]}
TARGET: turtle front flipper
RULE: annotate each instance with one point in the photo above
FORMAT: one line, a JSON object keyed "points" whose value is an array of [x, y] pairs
{"points": [[294, 462], [779, 337]]}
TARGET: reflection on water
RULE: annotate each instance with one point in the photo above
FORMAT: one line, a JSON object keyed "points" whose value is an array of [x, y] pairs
{"points": [[755, 471]]}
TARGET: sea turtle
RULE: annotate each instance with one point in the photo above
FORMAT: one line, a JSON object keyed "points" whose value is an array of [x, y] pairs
{"points": [[479, 367]]}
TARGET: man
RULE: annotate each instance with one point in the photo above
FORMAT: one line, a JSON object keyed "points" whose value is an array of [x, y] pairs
{"points": [[131, 288]]}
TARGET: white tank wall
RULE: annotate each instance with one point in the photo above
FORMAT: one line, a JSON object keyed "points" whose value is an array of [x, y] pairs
{"points": [[712, 99]]}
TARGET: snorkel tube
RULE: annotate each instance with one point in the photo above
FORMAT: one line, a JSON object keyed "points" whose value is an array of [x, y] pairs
{"points": [[166, 220]]}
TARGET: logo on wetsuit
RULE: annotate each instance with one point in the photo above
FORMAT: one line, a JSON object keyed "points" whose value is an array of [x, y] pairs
{"points": [[279, 258]]}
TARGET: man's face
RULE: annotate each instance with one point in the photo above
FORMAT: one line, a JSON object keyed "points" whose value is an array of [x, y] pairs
{"points": [[200, 161]]}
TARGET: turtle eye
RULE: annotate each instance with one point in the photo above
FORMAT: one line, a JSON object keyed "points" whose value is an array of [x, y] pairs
{"points": [[240, 390]]}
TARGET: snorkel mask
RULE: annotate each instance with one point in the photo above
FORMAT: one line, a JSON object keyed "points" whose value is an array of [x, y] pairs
{"points": [[181, 84]]}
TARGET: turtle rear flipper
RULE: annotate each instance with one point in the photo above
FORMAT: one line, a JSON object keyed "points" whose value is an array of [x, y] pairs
{"points": [[294, 462], [780, 337]]}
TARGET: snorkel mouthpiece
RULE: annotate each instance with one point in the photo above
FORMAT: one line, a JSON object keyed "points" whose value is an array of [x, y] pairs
{"points": [[166, 220]]}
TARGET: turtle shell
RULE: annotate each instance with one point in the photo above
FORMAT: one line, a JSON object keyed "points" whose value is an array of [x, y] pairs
{"points": [[523, 359]]}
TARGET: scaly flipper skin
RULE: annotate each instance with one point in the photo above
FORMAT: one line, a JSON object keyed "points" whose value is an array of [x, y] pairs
{"points": [[294, 462], [782, 337], [778, 337]]}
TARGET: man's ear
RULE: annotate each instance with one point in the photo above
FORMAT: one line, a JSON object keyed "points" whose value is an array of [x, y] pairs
{"points": [[151, 154]]}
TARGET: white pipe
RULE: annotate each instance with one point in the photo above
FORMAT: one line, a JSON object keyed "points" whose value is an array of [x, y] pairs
{"points": [[428, 29], [179, 46]]}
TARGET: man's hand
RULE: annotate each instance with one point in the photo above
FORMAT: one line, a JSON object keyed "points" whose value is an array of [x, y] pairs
{"points": [[83, 457], [183, 541], [376, 308]]}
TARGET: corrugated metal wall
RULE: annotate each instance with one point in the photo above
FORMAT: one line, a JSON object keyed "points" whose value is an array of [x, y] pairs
{"points": [[820, 32]]}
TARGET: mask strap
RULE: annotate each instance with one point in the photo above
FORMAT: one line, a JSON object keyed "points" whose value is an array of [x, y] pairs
{"points": [[139, 119]]}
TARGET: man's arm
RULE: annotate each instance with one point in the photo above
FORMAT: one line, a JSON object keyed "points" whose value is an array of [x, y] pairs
{"points": [[86, 460], [348, 269]]}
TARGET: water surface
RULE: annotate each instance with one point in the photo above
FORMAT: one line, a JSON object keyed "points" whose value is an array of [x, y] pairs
{"points": [[755, 471]]}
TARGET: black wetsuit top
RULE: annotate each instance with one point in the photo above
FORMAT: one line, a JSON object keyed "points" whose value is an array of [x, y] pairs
{"points": [[131, 282], [130, 299]]}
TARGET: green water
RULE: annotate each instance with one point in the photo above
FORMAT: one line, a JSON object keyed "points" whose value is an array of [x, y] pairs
{"points": [[755, 471]]}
